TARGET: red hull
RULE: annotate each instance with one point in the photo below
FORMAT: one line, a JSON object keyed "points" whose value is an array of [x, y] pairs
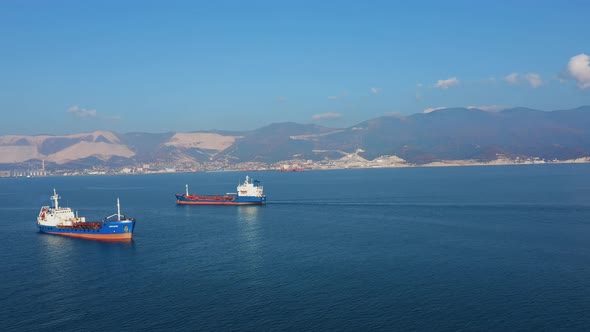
{"points": [[217, 203], [101, 237]]}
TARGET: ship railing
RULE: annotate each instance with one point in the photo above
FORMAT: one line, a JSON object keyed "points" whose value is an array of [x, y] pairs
{"points": [[123, 218], [112, 216]]}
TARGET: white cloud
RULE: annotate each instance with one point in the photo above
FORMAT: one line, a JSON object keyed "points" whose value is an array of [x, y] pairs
{"points": [[324, 116], [339, 96], [512, 78], [82, 112], [376, 91], [419, 85], [489, 108], [432, 109], [86, 113], [533, 79], [579, 69], [445, 84]]}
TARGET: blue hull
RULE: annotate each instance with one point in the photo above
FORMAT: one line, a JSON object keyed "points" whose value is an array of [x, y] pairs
{"points": [[111, 230]]}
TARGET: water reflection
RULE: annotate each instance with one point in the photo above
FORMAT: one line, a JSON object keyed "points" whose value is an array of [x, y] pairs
{"points": [[60, 254], [55, 256], [71, 268], [186, 209], [248, 218], [248, 214], [55, 242]]}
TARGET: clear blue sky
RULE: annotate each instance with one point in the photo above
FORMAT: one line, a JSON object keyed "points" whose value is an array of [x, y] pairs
{"points": [[158, 66]]}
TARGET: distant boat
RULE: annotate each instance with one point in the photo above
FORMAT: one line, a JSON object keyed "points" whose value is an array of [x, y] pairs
{"points": [[62, 221], [248, 193], [292, 169]]}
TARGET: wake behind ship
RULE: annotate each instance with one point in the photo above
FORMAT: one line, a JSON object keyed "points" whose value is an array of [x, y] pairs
{"points": [[62, 221], [248, 193]]}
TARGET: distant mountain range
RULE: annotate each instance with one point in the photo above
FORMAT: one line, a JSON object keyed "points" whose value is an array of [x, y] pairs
{"points": [[447, 134]]}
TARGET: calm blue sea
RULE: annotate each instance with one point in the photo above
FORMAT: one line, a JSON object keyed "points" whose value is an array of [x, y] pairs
{"points": [[458, 248]]}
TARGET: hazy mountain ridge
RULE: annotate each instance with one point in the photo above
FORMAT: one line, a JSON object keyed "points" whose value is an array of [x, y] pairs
{"points": [[447, 134], [61, 149]]}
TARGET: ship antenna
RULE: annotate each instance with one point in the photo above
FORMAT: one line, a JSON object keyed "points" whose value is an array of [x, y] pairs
{"points": [[118, 210], [186, 185]]}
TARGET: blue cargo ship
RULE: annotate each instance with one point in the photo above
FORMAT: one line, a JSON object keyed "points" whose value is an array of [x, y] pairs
{"points": [[62, 221]]}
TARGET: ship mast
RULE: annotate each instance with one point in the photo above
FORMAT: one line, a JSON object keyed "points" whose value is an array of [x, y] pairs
{"points": [[55, 197], [118, 210], [186, 185]]}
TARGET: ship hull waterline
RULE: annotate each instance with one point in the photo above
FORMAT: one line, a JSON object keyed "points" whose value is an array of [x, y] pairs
{"points": [[217, 203], [99, 237], [110, 231]]}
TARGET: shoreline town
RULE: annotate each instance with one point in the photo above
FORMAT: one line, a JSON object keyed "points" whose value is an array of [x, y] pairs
{"points": [[351, 161]]}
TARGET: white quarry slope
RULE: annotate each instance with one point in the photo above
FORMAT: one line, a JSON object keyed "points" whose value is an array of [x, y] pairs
{"points": [[82, 150], [20, 148], [209, 141], [16, 153]]}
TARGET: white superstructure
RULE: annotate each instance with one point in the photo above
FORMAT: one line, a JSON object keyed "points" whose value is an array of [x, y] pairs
{"points": [[56, 215], [250, 188]]}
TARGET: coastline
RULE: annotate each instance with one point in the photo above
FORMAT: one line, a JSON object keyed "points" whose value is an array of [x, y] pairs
{"points": [[503, 162], [333, 166], [463, 163]]}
